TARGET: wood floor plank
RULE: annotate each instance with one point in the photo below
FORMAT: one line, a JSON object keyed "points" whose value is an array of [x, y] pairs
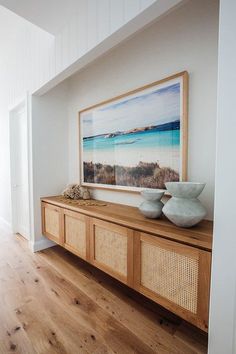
{"points": [[123, 309], [99, 325], [51, 302], [13, 337]]}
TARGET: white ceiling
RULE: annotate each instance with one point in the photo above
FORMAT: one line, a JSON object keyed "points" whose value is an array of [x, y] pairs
{"points": [[50, 15]]}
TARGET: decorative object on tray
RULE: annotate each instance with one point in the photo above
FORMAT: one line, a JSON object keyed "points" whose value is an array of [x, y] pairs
{"points": [[152, 206], [80, 202], [76, 191], [184, 209], [137, 140]]}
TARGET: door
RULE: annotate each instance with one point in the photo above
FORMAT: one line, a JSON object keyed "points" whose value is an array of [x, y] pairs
{"points": [[52, 222], [174, 275], [76, 233], [111, 248], [19, 170]]}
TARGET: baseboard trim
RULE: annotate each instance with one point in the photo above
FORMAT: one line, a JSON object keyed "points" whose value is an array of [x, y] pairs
{"points": [[40, 245], [7, 226]]}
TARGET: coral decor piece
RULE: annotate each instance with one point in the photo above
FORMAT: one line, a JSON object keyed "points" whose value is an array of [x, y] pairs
{"points": [[76, 192]]}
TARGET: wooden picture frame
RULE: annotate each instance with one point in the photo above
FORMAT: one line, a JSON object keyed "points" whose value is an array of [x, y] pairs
{"points": [[174, 88]]}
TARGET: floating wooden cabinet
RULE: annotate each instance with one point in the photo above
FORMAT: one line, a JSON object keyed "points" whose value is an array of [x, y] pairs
{"points": [[52, 222], [76, 237], [110, 249], [168, 264]]}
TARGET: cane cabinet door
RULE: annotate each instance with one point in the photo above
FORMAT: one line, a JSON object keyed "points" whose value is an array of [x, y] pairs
{"points": [[111, 249], [52, 222], [176, 276], [76, 236]]}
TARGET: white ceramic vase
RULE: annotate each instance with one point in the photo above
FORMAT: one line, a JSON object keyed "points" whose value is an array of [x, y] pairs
{"points": [[184, 209], [152, 206]]}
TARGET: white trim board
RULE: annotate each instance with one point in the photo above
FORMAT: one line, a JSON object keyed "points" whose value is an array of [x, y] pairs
{"points": [[41, 245]]}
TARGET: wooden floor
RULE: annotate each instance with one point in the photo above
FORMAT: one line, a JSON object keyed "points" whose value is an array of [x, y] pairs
{"points": [[52, 302]]}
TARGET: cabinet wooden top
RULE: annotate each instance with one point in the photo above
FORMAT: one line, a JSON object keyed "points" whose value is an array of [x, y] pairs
{"points": [[198, 236]]}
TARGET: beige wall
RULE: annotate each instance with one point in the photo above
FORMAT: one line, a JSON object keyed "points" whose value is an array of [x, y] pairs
{"points": [[186, 39]]}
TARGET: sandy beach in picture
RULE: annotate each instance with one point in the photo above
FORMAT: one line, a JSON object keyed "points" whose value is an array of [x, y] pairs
{"points": [[134, 142]]}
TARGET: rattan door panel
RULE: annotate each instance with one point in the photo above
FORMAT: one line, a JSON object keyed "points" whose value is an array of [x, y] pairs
{"points": [[76, 233], [51, 222], [169, 273], [109, 245]]}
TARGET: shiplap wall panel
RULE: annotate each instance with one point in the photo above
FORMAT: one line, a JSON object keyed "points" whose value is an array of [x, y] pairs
{"points": [[131, 9], [117, 18], [73, 38], [145, 3], [103, 14], [92, 23], [82, 29], [58, 53], [52, 61], [65, 42]]}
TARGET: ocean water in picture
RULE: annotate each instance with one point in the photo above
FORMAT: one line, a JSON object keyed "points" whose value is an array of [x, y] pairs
{"points": [[135, 142]]}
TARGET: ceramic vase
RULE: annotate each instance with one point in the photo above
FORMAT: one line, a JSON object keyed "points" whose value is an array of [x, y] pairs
{"points": [[152, 206], [184, 208]]}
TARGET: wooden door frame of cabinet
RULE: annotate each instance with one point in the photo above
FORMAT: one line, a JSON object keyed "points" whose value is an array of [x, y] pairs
{"points": [[200, 319], [59, 210], [204, 282], [128, 279]]}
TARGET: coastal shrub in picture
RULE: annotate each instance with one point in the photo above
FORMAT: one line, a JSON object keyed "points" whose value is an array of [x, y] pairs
{"points": [[138, 140]]}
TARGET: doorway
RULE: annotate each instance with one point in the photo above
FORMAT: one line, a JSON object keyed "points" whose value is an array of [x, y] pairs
{"points": [[19, 158]]}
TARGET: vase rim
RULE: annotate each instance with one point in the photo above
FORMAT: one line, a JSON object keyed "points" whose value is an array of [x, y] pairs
{"points": [[153, 190], [186, 182]]}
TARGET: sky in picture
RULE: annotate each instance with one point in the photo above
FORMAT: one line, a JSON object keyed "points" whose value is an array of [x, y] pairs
{"points": [[144, 109]]}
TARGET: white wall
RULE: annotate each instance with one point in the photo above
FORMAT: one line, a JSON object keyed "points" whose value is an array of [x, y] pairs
{"points": [[186, 39], [223, 291], [23, 66], [33, 60], [49, 148]]}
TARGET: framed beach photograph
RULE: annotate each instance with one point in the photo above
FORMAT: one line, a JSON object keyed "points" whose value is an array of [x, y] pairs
{"points": [[137, 140]]}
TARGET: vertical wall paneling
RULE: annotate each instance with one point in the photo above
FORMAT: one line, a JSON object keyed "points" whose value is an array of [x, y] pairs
{"points": [[117, 14], [103, 14], [131, 9], [58, 53], [65, 38], [73, 38], [52, 61], [82, 29], [92, 23], [145, 3]]}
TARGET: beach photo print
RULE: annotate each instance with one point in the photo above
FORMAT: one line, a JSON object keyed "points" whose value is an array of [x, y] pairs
{"points": [[137, 140]]}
